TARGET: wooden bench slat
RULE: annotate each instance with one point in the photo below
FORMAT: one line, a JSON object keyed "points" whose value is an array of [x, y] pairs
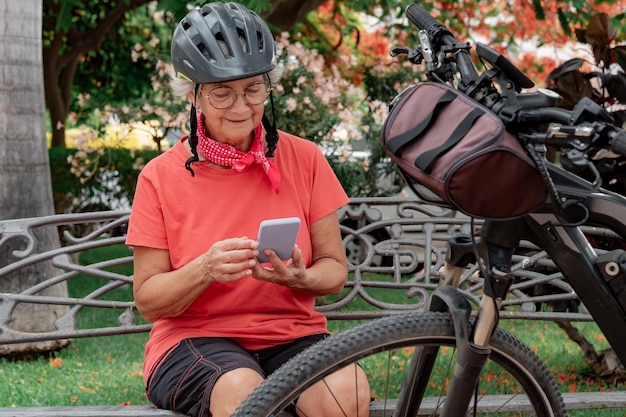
{"points": [[492, 403], [88, 411], [381, 408], [584, 400]]}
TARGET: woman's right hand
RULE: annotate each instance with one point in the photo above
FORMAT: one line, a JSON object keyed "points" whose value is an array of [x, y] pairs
{"points": [[230, 259]]}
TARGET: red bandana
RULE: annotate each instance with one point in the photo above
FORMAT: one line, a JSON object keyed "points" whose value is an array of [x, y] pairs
{"points": [[226, 155]]}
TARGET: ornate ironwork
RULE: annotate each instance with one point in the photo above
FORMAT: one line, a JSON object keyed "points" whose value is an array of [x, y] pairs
{"points": [[395, 248]]}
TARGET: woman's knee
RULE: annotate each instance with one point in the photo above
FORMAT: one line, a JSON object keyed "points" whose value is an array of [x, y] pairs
{"points": [[231, 388], [343, 393]]}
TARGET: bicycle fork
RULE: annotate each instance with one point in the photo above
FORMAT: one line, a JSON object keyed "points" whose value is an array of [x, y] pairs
{"points": [[472, 341]]}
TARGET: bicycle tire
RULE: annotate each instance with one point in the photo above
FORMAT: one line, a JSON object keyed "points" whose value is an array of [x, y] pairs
{"points": [[398, 331]]}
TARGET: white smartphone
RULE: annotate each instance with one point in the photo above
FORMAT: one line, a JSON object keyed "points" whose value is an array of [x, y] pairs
{"points": [[278, 235]]}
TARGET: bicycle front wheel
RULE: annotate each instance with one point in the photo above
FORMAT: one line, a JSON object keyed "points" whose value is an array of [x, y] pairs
{"points": [[514, 381]]}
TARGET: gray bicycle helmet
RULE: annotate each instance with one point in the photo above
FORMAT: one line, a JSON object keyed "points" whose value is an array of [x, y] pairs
{"points": [[222, 42]]}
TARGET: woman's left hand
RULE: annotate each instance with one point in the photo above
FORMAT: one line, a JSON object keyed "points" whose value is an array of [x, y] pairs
{"points": [[328, 271], [290, 274]]}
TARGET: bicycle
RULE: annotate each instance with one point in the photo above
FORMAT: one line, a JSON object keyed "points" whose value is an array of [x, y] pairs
{"points": [[451, 335]]}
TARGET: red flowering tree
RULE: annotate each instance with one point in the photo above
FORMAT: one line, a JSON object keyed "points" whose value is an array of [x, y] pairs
{"points": [[339, 75]]}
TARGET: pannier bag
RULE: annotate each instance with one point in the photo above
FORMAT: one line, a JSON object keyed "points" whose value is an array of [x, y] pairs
{"points": [[451, 148]]}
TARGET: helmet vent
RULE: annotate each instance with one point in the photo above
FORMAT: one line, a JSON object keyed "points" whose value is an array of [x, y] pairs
{"points": [[242, 39], [226, 52], [260, 39], [204, 51]]}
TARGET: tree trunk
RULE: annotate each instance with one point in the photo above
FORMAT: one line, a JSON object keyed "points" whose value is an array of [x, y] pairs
{"points": [[605, 364], [25, 185]]}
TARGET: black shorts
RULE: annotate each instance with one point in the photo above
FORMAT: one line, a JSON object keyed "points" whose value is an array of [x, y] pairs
{"points": [[184, 378]]}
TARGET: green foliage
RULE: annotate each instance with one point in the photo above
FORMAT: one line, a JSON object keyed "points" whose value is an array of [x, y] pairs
{"points": [[318, 100], [600, 84], [64, 19], [539, 10], [123, 67], [564, 21], [334, 89], [110, 183]]}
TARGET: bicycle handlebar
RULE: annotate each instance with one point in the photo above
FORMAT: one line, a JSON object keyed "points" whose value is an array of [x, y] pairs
{"points": [[423, 20], [438, 32], [519, 111]]}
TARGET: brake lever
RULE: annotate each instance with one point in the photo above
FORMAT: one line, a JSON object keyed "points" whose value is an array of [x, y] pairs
{"points": [[413, 55]]}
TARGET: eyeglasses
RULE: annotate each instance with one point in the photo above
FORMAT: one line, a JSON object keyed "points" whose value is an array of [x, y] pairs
{"points": [[224, 97]]}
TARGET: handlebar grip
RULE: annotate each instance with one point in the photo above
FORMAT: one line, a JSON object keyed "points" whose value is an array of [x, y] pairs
{"points": [[421, 18], [618, 144]]}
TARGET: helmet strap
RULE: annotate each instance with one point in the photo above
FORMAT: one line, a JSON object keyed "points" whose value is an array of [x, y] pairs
{"points": [[193, 135], [271, 135]]}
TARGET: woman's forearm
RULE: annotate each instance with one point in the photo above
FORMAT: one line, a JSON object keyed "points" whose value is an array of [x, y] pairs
{"points": [[326, 276], [168, 294]]}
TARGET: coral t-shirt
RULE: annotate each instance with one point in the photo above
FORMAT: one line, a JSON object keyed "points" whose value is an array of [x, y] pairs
{"points": [[173, 210]]}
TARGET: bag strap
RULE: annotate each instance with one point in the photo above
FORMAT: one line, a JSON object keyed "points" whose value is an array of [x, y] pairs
{"points": [[426, 160], [396, 143]]}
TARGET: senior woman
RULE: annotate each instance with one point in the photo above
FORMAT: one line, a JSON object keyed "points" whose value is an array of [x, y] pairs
{"points": [[223, 321]]}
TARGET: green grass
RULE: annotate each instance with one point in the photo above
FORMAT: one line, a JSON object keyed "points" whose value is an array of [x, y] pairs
{"points": [[91, 371], [108, 370], [97, 371]]}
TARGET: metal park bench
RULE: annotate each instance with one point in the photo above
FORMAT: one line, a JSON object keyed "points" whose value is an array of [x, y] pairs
{"points": [[392, 243]]}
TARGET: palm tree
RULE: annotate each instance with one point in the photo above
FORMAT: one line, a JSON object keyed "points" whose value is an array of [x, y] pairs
{"points": [[25, 186]]}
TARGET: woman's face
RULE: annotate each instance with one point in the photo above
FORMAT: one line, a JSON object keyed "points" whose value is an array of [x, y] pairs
{"points": [[235, 123]]}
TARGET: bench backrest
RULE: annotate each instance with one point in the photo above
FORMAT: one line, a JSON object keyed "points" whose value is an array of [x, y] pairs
{"points": [[395, 247]]}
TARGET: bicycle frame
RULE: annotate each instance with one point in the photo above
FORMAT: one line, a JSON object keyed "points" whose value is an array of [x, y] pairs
{"points": [[579, 263], [597, 280]]}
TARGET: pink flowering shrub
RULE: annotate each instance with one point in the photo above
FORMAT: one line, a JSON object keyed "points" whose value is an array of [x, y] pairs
{"points": [[322, 100], [339, 103]]}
